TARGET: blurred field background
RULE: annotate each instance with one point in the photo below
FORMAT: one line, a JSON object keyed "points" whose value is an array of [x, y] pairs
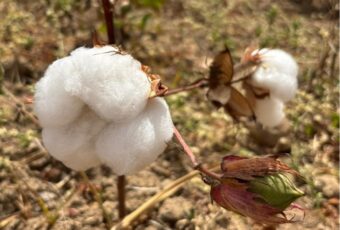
{"points": [[177, 39]]}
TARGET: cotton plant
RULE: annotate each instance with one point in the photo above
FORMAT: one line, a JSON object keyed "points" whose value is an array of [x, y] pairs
{"points": [[269, 79], [101, 106], [95, 108]]}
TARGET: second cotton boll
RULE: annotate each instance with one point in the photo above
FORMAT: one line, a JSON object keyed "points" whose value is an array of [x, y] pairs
{"points": [[276, 74], [94, 108]]}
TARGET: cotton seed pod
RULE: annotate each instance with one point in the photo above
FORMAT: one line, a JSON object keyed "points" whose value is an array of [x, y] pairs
{"points": [[130, 147], [236, 196], [257, 188], [277, 190]]}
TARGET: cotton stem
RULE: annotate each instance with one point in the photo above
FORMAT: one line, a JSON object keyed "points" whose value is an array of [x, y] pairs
{"points": [[121, 182], [196, 165], [108, 13]]}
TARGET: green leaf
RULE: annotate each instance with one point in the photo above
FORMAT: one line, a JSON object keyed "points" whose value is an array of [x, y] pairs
{"points": [[276, 190], [144, 21]]}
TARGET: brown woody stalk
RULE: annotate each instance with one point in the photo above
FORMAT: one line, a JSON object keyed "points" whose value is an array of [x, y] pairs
{"points": [[109, 20], [108, 13]]}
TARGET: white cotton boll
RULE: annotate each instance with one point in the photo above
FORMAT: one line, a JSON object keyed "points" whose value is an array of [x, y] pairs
{"points": [[280, 60], [74, 144], [280, 85], [278, 73], [112, 84], [269, 111], [52, 104], [130, 147]]}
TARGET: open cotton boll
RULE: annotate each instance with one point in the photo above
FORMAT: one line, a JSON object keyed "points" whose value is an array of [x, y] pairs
{"points": [[280, 60], [52, 104], [269, 111], [277, 73], [74, 144], [112, 84], [280, 85], [129, 147]]}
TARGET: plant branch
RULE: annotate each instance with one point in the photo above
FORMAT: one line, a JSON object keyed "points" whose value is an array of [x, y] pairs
{"points": [[203, 82], [108, 13], [242, 71]]}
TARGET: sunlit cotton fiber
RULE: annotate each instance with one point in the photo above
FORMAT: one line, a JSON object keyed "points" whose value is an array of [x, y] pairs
{"points": [[269, 111], [53, 105], [277, 73], [129, 147], [94, 108], [73, 144], [112, 84]]}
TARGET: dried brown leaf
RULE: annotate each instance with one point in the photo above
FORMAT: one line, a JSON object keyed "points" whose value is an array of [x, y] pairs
{"points": [[248, 168], [221, 70], [238, 105]]}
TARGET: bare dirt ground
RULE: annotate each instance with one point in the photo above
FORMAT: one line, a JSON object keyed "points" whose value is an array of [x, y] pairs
{"points": [[177, 40]]}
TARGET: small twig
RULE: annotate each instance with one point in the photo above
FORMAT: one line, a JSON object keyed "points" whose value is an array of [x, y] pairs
{"points": [[186, 148], [242, 71], [168, 191], [203, 82], [19, 177], [121, 182], [239, 80], [7, 219], [65, 202], [198, 166], [38, 155], [108, 13], [99, 200], [160, 196], [22, 105]]}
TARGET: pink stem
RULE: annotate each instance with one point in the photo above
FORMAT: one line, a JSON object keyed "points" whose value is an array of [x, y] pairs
{"points": [[186, 148], [198, 166]]}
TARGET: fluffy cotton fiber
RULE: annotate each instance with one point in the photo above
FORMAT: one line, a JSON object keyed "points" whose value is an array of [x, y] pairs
{"points": [[276, 73], [111, 84], [93, 106], [53, 105], [269, 111], [128, 147]]}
